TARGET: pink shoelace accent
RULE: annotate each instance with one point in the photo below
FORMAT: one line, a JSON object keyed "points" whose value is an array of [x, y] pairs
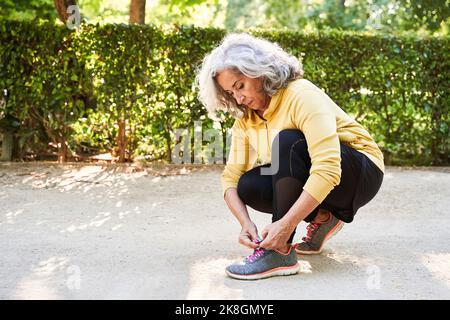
{"points": [[258, 252], [311, 228], [255, 255]]}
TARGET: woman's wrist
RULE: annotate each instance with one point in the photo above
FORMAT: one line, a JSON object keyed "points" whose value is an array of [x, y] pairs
{"points": [[289, 222], [246, 222], [304, 205]]}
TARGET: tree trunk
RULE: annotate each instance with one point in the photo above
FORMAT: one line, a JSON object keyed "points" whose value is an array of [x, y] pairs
{"points": [[61, 7], [168, 129], [62, 150], [137, 11], [122, 140]]}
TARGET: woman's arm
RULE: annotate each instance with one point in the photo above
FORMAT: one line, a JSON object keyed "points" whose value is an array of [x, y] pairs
{"points": [[240, 158], [277, 233], [301, 208], [249, 232], [236, 206]]}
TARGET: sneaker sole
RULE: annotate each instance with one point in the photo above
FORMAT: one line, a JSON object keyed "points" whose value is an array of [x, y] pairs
{"points": [[330, 235], [281, 271]]}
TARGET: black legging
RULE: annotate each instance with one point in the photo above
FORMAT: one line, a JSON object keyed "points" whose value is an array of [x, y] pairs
{"points": [[276, 193]]}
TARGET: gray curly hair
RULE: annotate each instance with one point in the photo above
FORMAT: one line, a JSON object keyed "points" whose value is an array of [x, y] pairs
{"points": [[248, 55]]}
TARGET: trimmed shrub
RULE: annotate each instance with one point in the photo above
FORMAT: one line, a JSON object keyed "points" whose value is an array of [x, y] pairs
{"points": [[127, 89]]}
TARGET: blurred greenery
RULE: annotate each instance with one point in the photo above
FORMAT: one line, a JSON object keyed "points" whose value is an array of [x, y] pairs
{"points": [[388, 16], [27, 9]]}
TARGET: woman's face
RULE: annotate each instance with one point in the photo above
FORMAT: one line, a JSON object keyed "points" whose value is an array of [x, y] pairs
{"points": [[246, 91]]}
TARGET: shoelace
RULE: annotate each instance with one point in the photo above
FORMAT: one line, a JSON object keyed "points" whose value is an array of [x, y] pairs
{"points": [[258, 252], [311, 228]]}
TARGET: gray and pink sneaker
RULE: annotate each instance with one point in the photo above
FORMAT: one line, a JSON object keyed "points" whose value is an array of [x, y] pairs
{"points": [[318, 234], [264, 264]]}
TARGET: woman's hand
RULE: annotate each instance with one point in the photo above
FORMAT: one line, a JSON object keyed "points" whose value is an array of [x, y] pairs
{"points": [[248, 235], [276, 235]]}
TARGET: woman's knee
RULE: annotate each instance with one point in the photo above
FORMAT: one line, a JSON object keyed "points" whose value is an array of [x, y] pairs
{"points": [[256, 191], [286, 139], [246, 188], [290, 154]]}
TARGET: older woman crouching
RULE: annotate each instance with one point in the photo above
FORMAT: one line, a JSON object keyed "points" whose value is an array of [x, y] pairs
{"points": [[294, 153]]}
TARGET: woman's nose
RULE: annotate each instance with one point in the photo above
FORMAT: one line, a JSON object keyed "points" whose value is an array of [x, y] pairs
{"points": [[239, 99]]}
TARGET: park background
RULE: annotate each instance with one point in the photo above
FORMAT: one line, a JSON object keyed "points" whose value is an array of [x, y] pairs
{"points": [[118, 89]]}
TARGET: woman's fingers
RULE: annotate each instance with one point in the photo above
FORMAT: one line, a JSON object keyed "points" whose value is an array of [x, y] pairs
{"points": [[254, 236], [248, 243], [251, 229], [265, 232], [249, 235], [266, 243], [245, 240]]}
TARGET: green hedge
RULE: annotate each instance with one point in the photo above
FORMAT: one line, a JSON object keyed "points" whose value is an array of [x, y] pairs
{"points": [[126, 89]]}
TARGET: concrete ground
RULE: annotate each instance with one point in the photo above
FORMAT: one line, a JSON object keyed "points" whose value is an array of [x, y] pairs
{"points": [[115, 232]]}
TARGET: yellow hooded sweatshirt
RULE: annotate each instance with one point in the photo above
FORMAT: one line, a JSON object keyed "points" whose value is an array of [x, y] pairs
{"points": [[301, 106]]}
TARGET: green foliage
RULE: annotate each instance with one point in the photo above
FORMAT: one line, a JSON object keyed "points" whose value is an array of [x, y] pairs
{"points": [[27, 9], [43, 80], [394, 86], [79, 87], [387, 16]]}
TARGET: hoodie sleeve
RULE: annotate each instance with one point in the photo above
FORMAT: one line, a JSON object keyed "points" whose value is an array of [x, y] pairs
{"points": [[314, 117], [240, 159]]}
